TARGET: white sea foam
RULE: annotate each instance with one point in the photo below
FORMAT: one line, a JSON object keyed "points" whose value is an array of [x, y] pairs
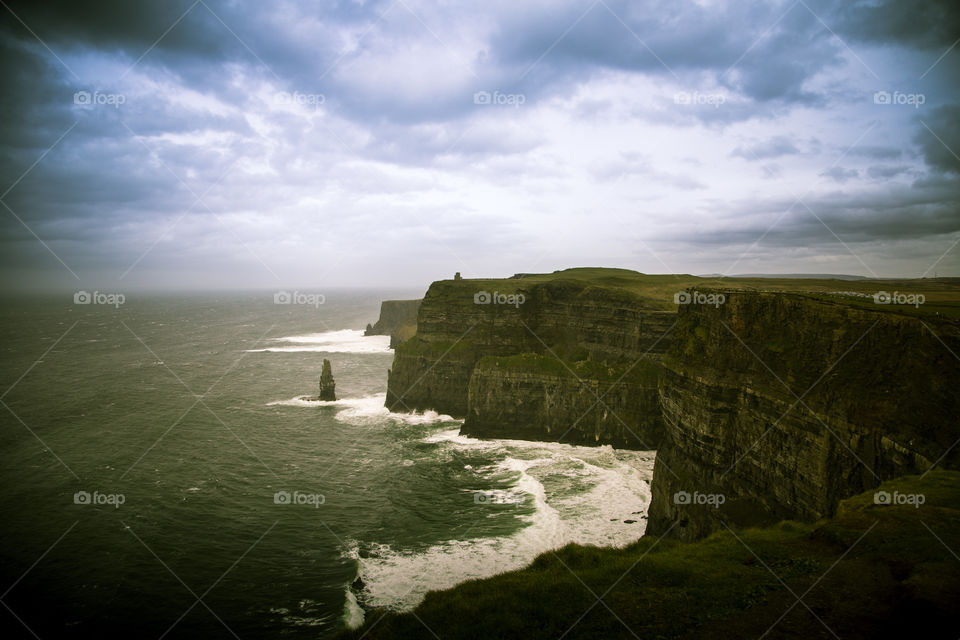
{"points": [[366, 409], [300, 402], [592, 491], [370, 408], [452, 436], [352, 611], [343, 341]]}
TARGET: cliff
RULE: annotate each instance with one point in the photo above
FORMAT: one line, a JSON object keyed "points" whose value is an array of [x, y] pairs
{"points": [[563, 358], [776, 400], [398, 319], [784, 404], [534, 397]]}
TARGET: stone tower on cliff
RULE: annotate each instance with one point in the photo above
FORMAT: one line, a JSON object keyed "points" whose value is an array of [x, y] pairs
{"points": [[327, 385]]}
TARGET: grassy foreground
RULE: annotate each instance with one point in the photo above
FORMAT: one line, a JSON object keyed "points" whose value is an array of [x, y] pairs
{"points": [[872, 571]]}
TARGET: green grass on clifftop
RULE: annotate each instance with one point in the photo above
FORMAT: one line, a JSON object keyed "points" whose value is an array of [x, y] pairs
{"points": [[870, 572], [941, 295]]}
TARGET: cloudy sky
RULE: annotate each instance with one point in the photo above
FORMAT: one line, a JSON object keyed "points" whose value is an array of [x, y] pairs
{"points": [[219, 143]]}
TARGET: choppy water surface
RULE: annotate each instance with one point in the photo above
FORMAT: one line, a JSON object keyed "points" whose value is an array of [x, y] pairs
{"points": [[214, 501]]}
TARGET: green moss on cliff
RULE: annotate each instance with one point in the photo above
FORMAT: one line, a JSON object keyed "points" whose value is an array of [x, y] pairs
{"points": [[871, 571]]}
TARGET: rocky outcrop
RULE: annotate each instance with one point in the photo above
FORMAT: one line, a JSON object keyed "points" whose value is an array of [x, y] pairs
{"points": [[398, 319], [327, 384], [779, 405], [519, 357]]}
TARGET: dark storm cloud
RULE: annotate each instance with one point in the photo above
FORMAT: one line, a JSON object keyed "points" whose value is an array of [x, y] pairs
{"points": [[111, 24], [922, 25], [99, 165], [536, 49], [32, 115], [526, 54], [939, 138], [398, 83], [671, 39], [925, 209], [212, 31], [196, 42]]}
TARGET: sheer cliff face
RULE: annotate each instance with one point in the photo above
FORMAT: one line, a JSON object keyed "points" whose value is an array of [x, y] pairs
{"points": [[398, 319], [536, 361], [522, 398], [765, 407], [784, 404]]}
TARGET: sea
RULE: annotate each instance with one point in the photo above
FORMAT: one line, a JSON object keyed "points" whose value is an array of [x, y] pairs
{"points": [[163, 475]]}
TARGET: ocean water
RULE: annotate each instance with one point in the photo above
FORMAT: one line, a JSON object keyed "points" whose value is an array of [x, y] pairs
{"points": [[162, 477]]}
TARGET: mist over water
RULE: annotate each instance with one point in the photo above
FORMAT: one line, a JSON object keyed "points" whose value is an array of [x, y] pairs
{"points": [[220, 502]]}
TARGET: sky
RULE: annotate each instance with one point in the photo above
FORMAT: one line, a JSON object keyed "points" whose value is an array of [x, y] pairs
{"points": [[225, 144]]}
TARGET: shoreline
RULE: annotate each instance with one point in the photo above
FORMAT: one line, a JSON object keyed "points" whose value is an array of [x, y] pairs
{"points": [[735, 583]]}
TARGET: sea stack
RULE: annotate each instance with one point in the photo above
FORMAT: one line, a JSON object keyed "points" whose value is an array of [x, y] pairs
{"points": [[327, 385]]}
